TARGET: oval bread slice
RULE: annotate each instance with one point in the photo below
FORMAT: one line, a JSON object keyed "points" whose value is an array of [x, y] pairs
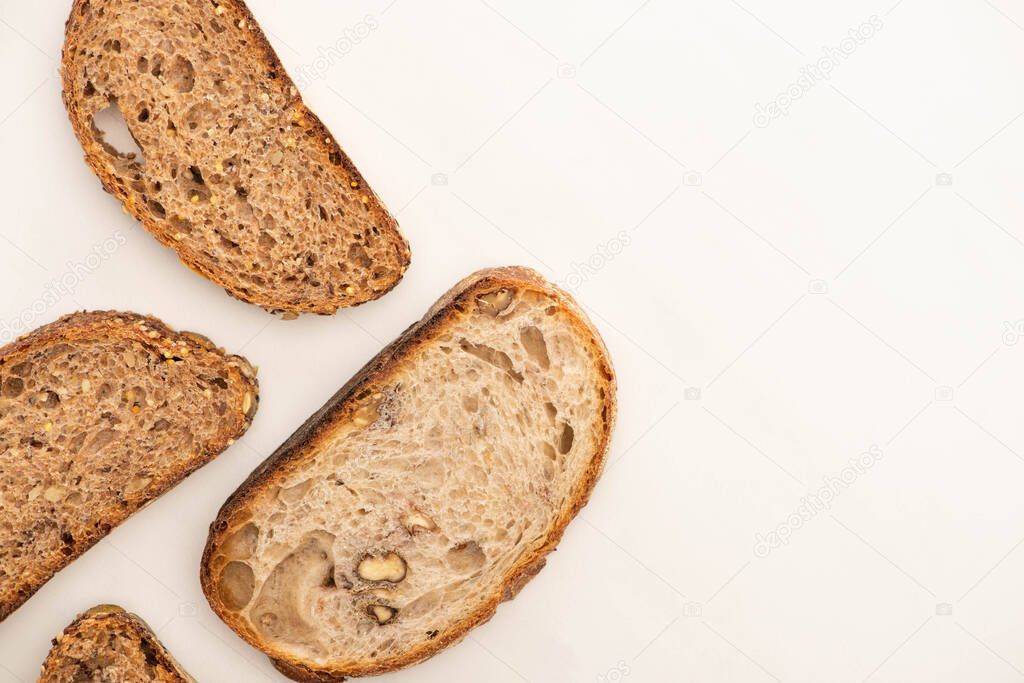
{"points": [[231, 169], [101, 413], [426, 492], [109, 644]]}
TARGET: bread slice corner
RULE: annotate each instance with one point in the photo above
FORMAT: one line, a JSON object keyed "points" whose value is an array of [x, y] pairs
{"points": [[221, 160], [106, 643], [426, 492]]}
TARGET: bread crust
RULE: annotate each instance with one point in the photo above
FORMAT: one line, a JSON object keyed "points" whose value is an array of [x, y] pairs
{"points": [[318, 428], [324, 141], [104, 619], [132, 327]]}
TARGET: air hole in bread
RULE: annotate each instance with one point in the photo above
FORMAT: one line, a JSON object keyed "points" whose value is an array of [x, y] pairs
{"points": [[13, 387], [280, 612], [204, 115], [466, 558], [236, 585], [241, 544], [194, 192], [294, 494], [182, 75], [533, 341], [549, 451], [46, 400], [493, 356], [266, 241], [565, 439], [549, 470], [112, 131], [182, 226]]}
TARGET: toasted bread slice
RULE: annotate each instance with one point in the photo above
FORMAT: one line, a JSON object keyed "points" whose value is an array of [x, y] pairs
{"points": [[100, 413], [109, 645], [426, 492], [236, 174]]}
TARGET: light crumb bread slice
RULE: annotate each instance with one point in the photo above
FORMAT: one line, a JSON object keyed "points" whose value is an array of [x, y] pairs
{"points": [[109, 645], [426, 492], [236, 173], [101, 413]]}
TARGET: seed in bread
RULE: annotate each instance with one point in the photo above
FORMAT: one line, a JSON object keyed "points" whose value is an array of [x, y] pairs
{"points": [[426, 492], [101, 413], [232, 170]]}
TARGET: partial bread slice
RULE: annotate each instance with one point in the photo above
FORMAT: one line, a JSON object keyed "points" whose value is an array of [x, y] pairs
{"points": [[426, 492], [101, 413], [237, 174], [109, 645]]}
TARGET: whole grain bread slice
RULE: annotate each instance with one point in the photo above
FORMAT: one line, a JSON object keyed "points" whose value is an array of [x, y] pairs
{"points": [[428, 490], [109, 645], [101, 413], [236, 174]]}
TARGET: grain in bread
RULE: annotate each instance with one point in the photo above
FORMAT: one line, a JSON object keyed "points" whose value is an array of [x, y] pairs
{"points": [[427, 491]]}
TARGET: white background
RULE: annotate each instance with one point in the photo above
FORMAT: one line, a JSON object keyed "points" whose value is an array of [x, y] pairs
{"points": [[781, 299]]}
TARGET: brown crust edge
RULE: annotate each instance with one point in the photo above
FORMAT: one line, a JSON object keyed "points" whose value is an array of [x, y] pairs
{"points": [[78, 326], [319, 425], [95, 161], [117, 618]]}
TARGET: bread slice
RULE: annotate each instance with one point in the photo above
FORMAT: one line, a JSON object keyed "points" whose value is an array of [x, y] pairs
{"points": [[236, 173], [109, 645], [100, 413], [426, 492]]}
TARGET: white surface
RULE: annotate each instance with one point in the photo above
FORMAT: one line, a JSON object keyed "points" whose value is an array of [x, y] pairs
{"points": [[810, 279]]}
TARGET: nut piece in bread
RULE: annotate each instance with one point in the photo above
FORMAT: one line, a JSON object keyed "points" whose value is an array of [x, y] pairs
{"points": [[224, 163], [101, 413], [109, 644], [426, 492]]}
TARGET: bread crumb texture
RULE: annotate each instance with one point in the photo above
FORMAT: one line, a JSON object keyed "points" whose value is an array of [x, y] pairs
{"points": [[427, 493], [108, 645], [224, 163], [100, 413]]}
